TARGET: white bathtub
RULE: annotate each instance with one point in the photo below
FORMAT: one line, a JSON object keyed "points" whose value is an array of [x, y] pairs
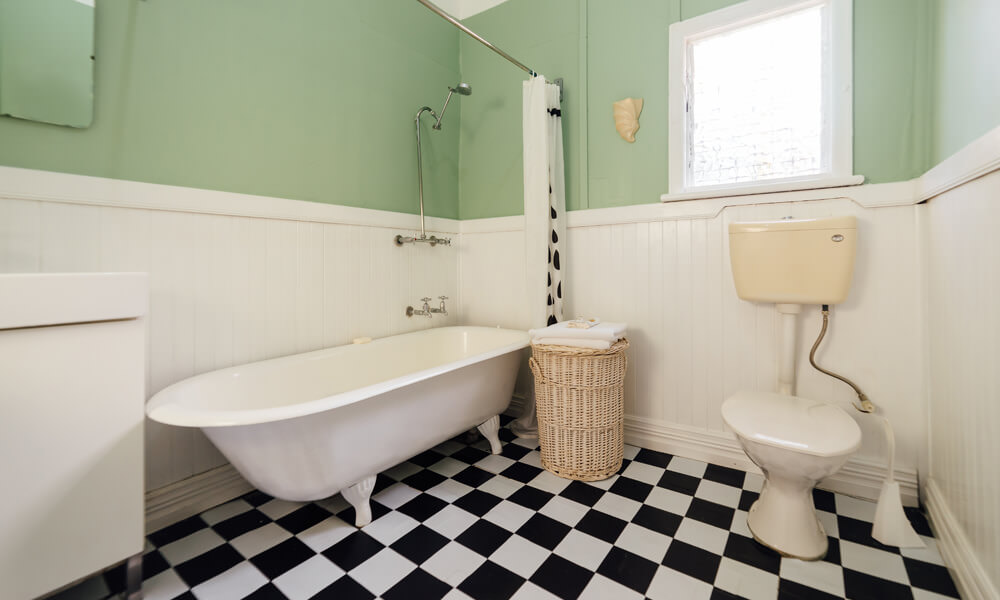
{"points": [[307, 426]]}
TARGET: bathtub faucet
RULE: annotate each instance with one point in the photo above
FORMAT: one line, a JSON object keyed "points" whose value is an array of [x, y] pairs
{"points": [[441, 308], [425, 311]]}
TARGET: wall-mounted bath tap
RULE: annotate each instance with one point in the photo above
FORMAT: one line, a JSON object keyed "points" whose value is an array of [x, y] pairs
{"points": [[463, 89], [432, 240], [425, 310], [441, 308]]}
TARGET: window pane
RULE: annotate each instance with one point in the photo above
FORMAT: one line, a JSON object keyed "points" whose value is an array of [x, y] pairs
{"points": [[756, 101]]}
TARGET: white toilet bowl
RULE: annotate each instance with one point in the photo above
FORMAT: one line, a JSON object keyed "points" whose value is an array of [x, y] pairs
{"points": [[796, 442]]}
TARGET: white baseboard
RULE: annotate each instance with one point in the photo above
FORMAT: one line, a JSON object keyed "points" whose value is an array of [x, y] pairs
{"points": [[860, 477], [188, 497], [970, 577]]}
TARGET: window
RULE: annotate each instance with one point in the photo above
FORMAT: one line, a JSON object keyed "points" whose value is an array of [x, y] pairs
{"points": [[760, 94]]}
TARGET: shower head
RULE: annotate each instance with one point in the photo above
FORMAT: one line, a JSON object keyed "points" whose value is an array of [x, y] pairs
{"points": [[464, 89]]}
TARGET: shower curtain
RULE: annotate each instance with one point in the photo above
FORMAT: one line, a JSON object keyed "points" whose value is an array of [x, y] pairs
{"points": [[544, 215]]}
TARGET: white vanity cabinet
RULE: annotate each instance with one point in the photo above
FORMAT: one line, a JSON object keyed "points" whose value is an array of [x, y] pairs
{"points": [[72, 390]]}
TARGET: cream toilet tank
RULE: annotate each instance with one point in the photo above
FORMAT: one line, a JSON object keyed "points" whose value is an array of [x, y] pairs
{"points": [[304, 427], [794, 261]]}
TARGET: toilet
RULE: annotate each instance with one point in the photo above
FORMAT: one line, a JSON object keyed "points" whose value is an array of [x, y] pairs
{"points": [[795, 441]]}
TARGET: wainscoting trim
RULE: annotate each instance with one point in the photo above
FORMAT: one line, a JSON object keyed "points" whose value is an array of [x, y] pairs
{"points": [[860, 478], [970, 577], [188, 497], [492, 224], [975, 160], [979, 158], [67, 188], [876, 195]]}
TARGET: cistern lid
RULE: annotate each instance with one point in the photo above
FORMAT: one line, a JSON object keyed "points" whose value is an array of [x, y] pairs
{"points": [[793, 423]]}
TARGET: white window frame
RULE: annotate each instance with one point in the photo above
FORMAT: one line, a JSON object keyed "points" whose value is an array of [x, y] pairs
{"points": [[838, 133]]}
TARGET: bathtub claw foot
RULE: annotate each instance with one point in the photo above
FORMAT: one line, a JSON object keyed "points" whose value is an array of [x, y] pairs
{"points": [[358, 495], [490, 430]]}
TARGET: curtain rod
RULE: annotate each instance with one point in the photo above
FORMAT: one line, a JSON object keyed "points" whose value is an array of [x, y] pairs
{"points": [[475, 36]]}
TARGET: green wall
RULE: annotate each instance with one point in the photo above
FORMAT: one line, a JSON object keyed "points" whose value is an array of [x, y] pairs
{"points": [[545, 35], [622, 52], [304, 99], [967, 98], [314, 99]]}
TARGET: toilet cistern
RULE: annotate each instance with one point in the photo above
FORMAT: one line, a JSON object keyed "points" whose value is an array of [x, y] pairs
{"points": [[792, 262], [795, 441]]}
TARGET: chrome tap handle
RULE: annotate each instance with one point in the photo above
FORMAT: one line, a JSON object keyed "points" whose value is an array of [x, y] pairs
{"points": [[425, 299], [441, 309]]}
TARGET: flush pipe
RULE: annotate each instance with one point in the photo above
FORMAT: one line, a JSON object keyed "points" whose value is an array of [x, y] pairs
{"points": [[786, 351]]}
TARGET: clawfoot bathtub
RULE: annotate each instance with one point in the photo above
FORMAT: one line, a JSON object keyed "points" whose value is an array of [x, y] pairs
{"points": [[307, 426]]}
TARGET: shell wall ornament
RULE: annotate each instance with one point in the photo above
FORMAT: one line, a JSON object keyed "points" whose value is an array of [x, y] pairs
{"points": [[627, 117]]}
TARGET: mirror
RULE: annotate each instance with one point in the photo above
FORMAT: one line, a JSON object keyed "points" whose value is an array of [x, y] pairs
{"points": [[47, 61]]}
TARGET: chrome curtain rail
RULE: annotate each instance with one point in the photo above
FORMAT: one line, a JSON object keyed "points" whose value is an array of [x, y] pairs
{"points": [[475, 35]]}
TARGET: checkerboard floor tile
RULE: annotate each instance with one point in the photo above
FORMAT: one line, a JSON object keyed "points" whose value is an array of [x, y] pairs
{"points": [[458, 522]]}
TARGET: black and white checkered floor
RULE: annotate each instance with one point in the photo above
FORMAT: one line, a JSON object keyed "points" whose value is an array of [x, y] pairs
{"points": [[457, 522]]}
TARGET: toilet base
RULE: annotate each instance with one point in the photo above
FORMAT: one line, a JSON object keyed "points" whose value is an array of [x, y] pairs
{"points": [[784, 519]]}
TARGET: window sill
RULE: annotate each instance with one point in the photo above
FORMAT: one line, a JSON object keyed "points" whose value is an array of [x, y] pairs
{"points": [[764, 188]]}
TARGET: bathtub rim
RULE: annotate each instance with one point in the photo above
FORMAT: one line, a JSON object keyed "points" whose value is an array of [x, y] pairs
{"points": [[162, 409]]}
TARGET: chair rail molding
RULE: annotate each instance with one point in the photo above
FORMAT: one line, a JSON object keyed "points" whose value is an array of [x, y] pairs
{"points": [[67, 188]]}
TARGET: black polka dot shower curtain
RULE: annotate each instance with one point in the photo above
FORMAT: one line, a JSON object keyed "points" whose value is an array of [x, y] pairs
{"points": [[544, 202], [544, 218]]}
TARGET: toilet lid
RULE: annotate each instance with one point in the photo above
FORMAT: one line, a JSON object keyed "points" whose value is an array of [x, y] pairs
{"points": [[807, 426]]}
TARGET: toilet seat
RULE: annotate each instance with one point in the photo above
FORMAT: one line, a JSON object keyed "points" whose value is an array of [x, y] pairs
{"points": [[793, 423]]}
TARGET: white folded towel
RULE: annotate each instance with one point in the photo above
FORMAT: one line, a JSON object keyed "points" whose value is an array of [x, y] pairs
{"points": [[608, 332], [575, 342]]}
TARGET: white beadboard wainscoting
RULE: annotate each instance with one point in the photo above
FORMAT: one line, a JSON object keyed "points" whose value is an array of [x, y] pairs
{"points": [[225, 289], [963, 290], [694, 342]]}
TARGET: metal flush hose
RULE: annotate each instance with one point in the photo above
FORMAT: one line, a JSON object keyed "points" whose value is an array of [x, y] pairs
{"points": [[866, 405]]}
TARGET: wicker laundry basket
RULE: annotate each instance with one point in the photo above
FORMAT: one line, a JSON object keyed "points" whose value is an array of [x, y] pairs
{"points": [[579, 396]]}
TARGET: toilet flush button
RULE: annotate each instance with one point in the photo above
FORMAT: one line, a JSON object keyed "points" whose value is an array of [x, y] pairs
{"points": [[837, 238]]}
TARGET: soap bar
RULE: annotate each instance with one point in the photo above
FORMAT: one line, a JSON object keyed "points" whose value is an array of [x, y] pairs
{"points": [[581, 323]]}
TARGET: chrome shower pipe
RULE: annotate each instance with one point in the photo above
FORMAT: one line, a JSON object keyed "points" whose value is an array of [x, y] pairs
{"points": [[463, 89], [420, 166], [437, 123], [476, 36]]}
